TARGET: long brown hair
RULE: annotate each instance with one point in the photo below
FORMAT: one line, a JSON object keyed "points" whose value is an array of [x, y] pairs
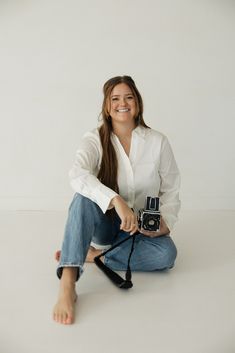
{"points": [[109, 164]]}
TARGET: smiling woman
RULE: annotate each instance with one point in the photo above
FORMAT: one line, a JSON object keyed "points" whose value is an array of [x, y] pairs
{"points": [[123, 107], [117, 166], [123, 91]]}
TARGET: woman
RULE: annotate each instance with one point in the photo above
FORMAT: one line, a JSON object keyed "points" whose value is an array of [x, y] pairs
{"points": [[116, 167]]}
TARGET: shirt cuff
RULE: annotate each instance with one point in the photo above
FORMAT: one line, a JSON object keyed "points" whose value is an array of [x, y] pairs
{"points": [[102, 196]]}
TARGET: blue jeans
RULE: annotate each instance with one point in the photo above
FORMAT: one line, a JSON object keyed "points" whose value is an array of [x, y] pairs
{"points": [[86, 222]]}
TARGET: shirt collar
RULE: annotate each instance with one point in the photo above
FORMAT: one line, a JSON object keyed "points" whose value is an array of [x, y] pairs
{"points": [[140, 131]]}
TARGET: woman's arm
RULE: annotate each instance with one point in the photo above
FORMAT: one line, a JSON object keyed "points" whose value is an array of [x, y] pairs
{"points": [[83, 173], [125, 213], [170, 184], [129, 219]]}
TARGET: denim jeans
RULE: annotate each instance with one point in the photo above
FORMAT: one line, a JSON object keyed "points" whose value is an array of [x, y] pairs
{"points": [[87, 223]]}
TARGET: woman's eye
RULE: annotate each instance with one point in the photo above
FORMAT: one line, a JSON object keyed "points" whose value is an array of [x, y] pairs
{"points": [[114, 99], [129, 97]]}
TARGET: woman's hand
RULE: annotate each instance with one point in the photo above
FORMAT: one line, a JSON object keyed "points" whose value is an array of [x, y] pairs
{"points": [[163, 230], [125, 213]]}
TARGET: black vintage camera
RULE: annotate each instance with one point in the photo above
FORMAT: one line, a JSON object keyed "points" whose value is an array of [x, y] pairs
{"points": [[149, 216]]}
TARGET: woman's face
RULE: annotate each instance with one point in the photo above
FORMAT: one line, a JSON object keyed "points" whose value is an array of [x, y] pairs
{"points": [[122, 104]]}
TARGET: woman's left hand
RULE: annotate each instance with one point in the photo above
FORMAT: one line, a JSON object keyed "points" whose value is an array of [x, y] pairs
{"points": [[164, 230]]}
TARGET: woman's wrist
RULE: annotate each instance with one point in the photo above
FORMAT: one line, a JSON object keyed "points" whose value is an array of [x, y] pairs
{"points": [[115, 200]]}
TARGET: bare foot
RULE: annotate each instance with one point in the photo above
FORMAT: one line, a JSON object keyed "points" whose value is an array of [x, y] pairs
{"points": [[92, 252], [64, 309]]}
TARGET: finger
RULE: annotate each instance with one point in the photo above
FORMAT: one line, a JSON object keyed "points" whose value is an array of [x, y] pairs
{"points": [[153, 234], [127, 222], [123, 223], [147, 233], [134, 230], [134, 226], [128, 228], [131, 225]]}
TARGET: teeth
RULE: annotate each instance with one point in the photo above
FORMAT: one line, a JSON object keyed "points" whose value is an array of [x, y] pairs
{"points": [[123, 110]]}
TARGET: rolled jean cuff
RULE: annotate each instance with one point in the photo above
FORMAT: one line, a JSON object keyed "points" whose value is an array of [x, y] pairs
{"points": [[100, 247], [59, 270]]}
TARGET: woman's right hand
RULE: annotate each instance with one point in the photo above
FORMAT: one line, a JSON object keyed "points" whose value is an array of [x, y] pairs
{"points": [[125, 213]]}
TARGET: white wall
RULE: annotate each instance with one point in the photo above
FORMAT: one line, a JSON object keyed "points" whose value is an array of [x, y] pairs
{"points": [[55, 57]]}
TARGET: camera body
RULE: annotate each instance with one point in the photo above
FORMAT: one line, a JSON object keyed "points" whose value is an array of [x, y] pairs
{"points": [[149, 216]]}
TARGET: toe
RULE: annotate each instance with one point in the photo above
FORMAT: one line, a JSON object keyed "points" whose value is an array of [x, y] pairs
{"points": [[55, 314], [69, 320], [61, 319], [64, 318]]}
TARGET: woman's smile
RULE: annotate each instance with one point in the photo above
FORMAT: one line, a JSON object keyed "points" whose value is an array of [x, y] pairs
{"points": [[123, 110]]}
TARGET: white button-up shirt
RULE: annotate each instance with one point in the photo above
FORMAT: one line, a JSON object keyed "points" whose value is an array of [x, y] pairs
{"points": [[150, 170]]}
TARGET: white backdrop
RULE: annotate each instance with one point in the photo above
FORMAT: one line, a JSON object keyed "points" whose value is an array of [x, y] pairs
{"points": [[54, 59]]}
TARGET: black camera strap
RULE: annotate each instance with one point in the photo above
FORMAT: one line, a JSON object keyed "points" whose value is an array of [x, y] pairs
{"points": [[113, 276]]}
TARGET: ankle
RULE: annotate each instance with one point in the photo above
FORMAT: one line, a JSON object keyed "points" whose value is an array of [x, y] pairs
{"points": [[69, 276]]}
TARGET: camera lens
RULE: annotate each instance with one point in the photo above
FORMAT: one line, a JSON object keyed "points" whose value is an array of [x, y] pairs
{"points": [[151, 223]]}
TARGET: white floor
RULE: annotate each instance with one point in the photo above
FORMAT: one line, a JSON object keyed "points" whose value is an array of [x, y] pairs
{"points": [[187, 310]]}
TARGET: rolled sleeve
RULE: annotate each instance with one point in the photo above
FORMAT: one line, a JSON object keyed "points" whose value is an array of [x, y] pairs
{"points": [[83, 174]]}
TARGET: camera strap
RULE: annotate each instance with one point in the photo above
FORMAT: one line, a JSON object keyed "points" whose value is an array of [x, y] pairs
{"points": [[113, 276]]}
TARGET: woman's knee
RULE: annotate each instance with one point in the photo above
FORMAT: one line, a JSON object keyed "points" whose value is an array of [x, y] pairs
{"points": [[163, 254], [171, 256], [81, 203], [79, 200], [168, 255]]}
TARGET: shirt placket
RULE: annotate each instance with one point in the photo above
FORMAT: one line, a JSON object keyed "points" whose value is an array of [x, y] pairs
{"points": [[129, 172]]}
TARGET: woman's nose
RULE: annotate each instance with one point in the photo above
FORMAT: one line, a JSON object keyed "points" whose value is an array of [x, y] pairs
{"points": [[123, 101]]}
